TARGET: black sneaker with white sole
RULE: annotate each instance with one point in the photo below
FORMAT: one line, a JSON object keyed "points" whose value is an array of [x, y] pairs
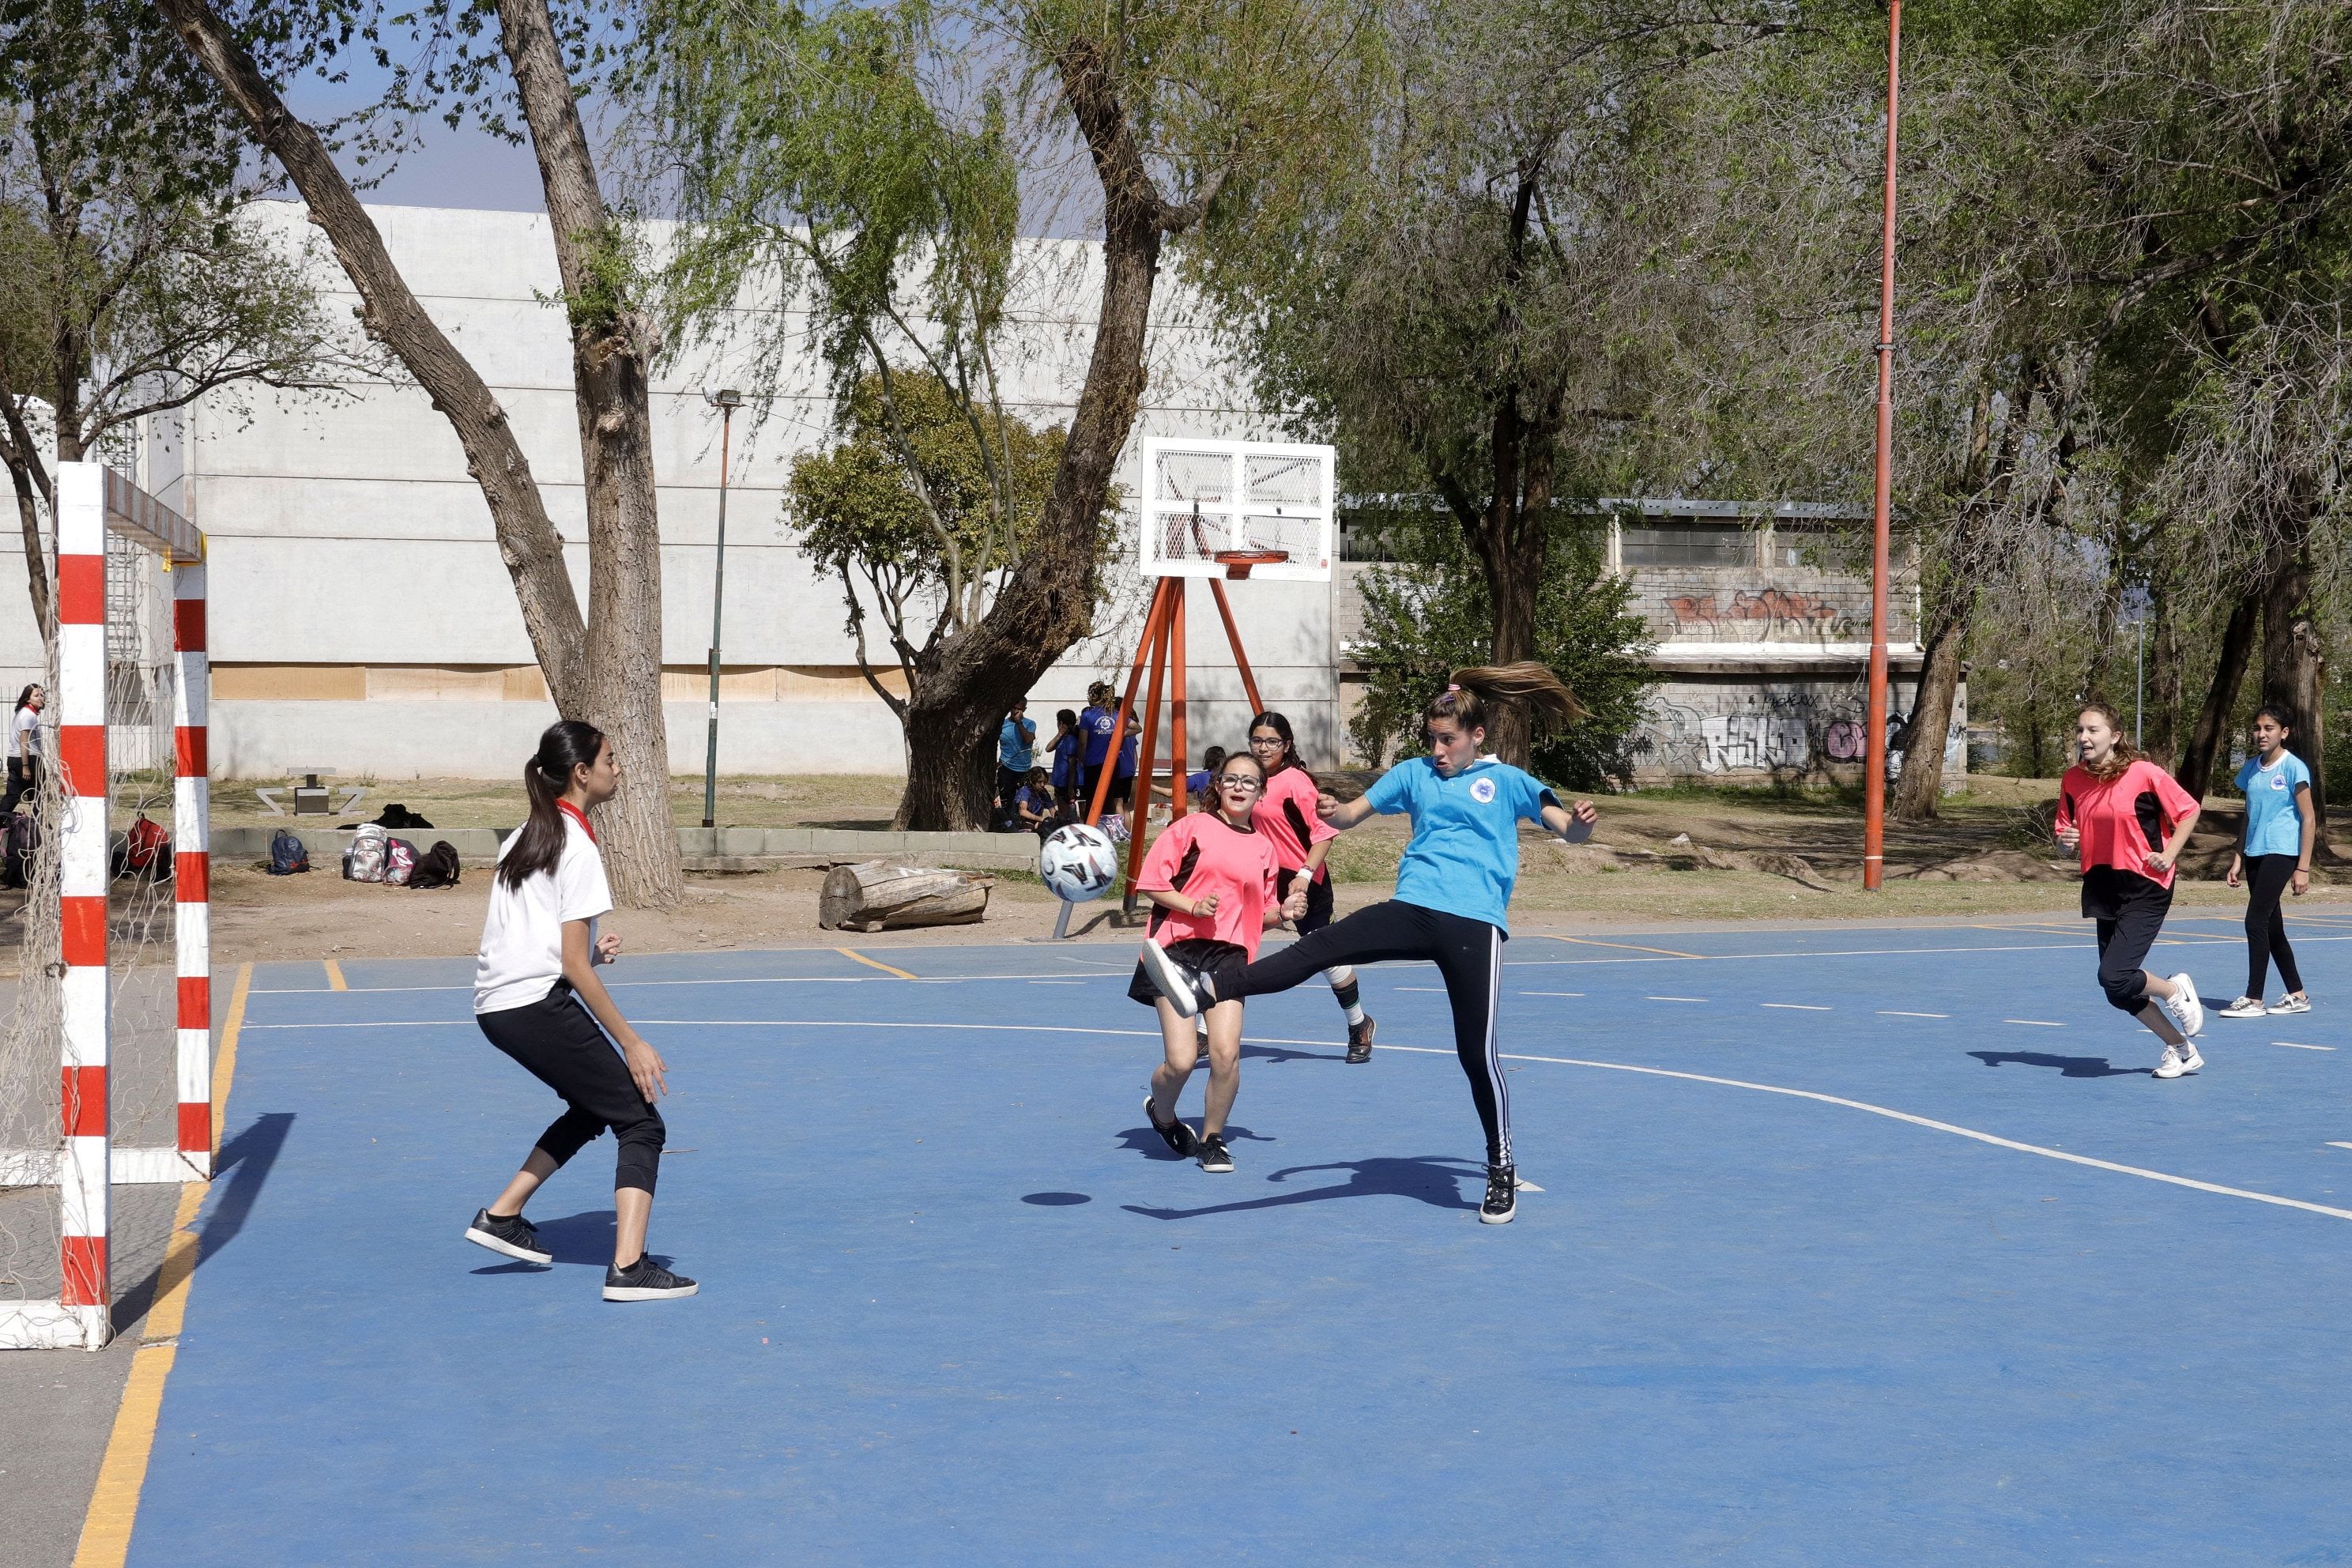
{"points": [[1359, 1040], [513, 1235], [1174, 1133], [1502, 1203], [646, 1280], [1214, 1155], [1187, 993]]}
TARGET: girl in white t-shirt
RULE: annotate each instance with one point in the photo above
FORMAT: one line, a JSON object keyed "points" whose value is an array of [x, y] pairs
{"points": [[24, 748], [537, 997]]}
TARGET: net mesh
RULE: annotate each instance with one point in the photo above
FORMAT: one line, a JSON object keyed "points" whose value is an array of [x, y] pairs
{"points": [[1218, 499], [142, 956]]}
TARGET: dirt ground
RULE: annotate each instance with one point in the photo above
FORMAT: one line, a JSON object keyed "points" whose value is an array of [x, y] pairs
{"points": [[1996, 831]]}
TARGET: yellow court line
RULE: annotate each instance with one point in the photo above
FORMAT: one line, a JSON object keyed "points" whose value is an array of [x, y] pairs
{"points": [[874, 964], [114, 1501], [334, 976], [1628, 946]]}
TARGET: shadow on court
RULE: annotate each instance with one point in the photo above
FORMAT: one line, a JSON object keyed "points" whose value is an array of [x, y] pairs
{"points": [[1436, 1182], [1143, 1141], [584, 1237], [2068, 1067]]}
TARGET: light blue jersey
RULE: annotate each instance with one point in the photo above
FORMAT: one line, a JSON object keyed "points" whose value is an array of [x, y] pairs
{"points": [[1464, 854], [2274, 819]]}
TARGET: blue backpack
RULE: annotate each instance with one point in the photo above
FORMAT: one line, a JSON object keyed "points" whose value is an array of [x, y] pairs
{"points": [[287, 853]]}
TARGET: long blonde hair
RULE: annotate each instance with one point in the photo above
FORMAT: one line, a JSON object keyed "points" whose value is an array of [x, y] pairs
{"points": [[1467, 700], [2125, 754]]}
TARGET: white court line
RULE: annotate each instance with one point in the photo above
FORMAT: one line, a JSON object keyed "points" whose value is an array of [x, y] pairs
{"points": [[1797, 1007], [1863, 1105], [1674, 998], [2340, 1145], [2034, 1023], [2292, 1046], [1891, 1012], [1551, 993]]}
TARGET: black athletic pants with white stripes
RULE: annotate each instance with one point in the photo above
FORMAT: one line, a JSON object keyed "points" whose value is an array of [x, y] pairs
{"points": [[1467, 953]]}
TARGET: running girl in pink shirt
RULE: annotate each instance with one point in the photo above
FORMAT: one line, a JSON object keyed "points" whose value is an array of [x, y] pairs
{"points": [[1211, 875], [2129, 820], [1286, 815]]}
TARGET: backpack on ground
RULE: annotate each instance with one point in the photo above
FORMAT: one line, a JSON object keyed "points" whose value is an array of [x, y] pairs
{"points": [[363, 862], [399, 861], [20, 846], [436, 867], [146, 849], [288, 854], [399, 816]]}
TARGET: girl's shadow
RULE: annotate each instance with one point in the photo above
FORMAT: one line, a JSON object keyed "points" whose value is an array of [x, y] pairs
{"points": [[2068, 1067], [1143, 1141], [1434, 1179]]}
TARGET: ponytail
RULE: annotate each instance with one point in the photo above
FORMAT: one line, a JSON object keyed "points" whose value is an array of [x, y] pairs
{"points": [[1473, 692], [567, 745]]}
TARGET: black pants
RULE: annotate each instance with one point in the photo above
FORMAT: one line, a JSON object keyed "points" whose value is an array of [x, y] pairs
{"points": [[2130, 910], [24, 783], [2266, 878], [557, 1041], [1467, 953]]}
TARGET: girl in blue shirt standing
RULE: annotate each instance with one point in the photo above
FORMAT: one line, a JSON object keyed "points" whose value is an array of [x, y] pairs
{"points": [[1452, 889], [2280, 828]]}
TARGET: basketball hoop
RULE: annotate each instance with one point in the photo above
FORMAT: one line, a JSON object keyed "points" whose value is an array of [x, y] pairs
{"points": [[1237, 563]]}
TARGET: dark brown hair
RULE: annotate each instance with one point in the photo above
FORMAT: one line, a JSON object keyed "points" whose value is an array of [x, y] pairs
{"points": [[566, 744], [1475, 691], [1280, 724], [2123, 757]]}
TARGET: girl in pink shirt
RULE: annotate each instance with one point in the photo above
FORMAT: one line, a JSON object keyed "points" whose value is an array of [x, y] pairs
{"points": [[1286, 815], [1211, 875], [2129, 820]]}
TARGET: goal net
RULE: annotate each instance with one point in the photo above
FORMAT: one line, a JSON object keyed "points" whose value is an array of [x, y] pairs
{"points": [[1209, 505], [106, 1040]]}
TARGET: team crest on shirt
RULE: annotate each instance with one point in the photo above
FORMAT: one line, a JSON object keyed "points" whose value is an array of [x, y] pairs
{"points": [[2278, 782], [1482, 791]]}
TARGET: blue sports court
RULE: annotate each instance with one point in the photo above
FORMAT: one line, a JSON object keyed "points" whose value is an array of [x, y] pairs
{"points": [[1852, 1247]]}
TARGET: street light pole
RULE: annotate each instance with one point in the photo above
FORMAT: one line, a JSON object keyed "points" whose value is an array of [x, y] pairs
{"points": [[1874, 783], [726, 402]]}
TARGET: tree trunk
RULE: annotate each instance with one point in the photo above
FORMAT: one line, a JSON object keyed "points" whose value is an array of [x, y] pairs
{"points": [[36, 555], [2196, 768], [1920, 786], [528, 541], [2163, 741], [1048, 601], [613, 345], [2306, 692]]}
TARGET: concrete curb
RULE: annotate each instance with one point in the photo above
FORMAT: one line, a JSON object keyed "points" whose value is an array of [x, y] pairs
{"points": [[704, 849]]}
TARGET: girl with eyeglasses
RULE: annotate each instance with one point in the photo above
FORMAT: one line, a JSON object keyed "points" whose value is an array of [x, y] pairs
{"points": [[1210, 876], [1453, 889], [1285, 813]]}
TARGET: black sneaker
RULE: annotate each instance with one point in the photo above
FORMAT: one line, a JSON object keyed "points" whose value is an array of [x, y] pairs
{"points": [[1214, 1155], [1187, 993], [1359, 1040], [646, 1280], [1175, 1134], [1502, 1195], [513, 1235]]}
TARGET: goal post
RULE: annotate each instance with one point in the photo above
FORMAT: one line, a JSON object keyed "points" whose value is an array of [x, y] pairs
{"points": [[130, 681]]}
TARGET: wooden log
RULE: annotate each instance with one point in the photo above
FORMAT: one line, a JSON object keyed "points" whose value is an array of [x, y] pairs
{"points": [[879, 895]]}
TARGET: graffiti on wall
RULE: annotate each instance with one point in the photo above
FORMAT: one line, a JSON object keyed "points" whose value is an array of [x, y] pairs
{"points": [[1790, 731], [1759, 616]]}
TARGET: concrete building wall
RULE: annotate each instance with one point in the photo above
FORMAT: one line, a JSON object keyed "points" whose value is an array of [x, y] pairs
{"points": [[361, 618]]}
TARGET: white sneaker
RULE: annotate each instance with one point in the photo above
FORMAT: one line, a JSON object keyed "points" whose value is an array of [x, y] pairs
{"points": [[2171, 1065], [2189, 1060], [2187, 1010], [2244, 1007], [2298, 1004], [1170, 978]]}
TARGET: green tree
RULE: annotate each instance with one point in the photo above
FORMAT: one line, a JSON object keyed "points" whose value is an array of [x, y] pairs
{"points": [[1427, 614], [908, 514]]}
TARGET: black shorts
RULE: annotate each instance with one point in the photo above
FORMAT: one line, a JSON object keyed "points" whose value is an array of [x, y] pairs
{"points": [[2108, 892], [1196, 953], [1319, 899]]}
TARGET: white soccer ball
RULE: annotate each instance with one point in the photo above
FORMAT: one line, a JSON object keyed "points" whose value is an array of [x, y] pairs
{"points": [[1078, 863]]}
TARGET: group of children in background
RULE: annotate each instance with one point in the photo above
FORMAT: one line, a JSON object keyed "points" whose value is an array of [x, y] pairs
{"points": [[1220, 878], [1040, 787]]}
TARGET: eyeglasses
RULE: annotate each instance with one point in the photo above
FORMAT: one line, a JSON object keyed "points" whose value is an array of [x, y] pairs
{"points": [[1256, 741], [1242, 782]]}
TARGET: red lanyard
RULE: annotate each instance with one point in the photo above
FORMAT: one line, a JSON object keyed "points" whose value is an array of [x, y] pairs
{"points": [[578, 816]]}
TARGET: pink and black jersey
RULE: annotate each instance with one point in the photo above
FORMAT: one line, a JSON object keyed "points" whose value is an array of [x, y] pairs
{"points": [[1201, 853], [1285, 812], [2123, 819]]}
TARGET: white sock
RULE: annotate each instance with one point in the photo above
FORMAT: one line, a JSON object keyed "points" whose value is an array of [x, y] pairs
{"points": [[1354, 1011]]}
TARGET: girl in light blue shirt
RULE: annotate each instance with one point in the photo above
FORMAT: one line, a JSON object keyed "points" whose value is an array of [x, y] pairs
{"points": [[1452, 889], [2275, 854]]}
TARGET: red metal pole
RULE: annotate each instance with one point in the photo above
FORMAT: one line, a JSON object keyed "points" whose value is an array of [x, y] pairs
{"points": [[1175, 702], [1152, 689], [1873, 783], [1151, 624], [1240, 659]]}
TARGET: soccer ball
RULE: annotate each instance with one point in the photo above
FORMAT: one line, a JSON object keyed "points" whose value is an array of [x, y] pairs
{"points": [[1078, 863]]}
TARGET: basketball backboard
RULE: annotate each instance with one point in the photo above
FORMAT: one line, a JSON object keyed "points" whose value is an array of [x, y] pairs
{"points": [[1216, 508]]}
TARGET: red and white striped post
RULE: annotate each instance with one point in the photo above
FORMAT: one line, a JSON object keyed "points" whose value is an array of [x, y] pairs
{"points": [[82, 888], [192, 862]]}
